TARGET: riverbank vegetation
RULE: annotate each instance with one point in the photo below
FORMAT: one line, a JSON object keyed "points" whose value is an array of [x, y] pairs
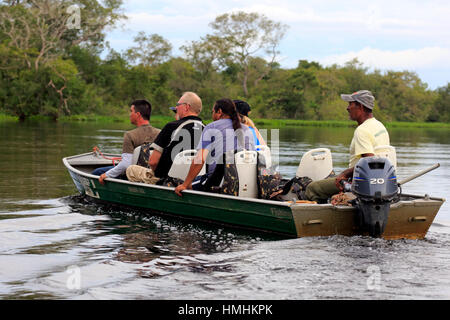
{"points": [[57, 67], [160, 120]]}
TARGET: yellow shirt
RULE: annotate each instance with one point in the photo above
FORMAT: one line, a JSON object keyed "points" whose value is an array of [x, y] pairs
{"points": [[370, 134]]}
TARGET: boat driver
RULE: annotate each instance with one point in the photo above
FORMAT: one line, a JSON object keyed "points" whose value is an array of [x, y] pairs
{"points": [[369, 134]]}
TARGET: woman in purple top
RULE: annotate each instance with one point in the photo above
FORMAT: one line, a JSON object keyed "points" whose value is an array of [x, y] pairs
{"points": [[225, 133]]}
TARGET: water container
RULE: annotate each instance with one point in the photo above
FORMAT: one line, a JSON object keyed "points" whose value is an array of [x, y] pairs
{"points": [[182, 164], [246, 164]]}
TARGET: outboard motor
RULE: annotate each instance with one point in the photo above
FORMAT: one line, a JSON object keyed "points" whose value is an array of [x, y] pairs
{"points": [[375, 186]]}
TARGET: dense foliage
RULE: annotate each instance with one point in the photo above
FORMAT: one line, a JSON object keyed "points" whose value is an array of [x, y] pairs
{"points": [[48, 67]]}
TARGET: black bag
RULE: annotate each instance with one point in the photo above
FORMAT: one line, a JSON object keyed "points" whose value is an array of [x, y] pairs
{"points": [[297, 185], [169, 182], [144, 155]]}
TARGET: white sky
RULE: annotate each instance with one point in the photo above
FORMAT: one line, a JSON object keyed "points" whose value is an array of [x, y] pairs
{"points": [[397, 34]]}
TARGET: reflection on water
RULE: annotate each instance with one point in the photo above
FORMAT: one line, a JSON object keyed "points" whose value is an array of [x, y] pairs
{"points": [[49, 235]]}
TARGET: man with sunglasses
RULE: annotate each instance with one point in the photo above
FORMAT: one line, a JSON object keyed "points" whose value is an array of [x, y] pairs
{"points": [[176, 136]]}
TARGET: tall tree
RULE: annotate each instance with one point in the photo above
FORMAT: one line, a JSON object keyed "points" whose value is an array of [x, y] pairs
{"points": [[150, 50], [441, 109], [39, 32], [238, 38], [43, 29], [206, 55]]}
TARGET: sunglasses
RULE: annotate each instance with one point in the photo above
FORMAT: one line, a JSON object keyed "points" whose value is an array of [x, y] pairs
{"points": [[174, 109]]}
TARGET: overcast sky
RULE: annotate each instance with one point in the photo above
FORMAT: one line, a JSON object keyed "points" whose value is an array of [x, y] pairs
{"points": [[396, 34]]}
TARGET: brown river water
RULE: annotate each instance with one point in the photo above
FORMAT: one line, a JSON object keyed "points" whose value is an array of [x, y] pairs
{"points": [[55, 244]]}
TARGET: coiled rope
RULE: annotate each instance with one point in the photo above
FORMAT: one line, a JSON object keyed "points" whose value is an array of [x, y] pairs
{"points": [[97, 152]]}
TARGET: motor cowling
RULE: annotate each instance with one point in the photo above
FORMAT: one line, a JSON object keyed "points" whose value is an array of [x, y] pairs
{"points": [[375, 185]]}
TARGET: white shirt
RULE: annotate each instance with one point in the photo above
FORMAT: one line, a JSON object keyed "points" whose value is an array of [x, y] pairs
{"points": [[121, 167]]}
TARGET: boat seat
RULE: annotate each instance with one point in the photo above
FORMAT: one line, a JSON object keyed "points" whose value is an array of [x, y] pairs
{"points": [[388, 152], [316, 164], [246, 165], [265, 151], [182, 164], [136, 153]]}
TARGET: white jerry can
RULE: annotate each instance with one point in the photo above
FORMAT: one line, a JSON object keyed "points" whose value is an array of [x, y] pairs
{"points": [[182, 164], [246, 165]]}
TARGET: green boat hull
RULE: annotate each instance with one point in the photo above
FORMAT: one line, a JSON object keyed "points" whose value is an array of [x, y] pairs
{"points": [[248, 213]]}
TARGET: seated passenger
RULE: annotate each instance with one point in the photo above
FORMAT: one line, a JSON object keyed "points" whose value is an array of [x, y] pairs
{"points": [[140, 111], [182, 134], [225, 133], [244, 110]]}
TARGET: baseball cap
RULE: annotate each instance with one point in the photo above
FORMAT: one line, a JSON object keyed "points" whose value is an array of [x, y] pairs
{"points": [[365, 97], [242, 107], [174, 109]]}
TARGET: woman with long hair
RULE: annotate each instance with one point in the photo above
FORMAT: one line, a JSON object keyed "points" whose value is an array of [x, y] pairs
{"points": [[225, 133], [226, 109]]}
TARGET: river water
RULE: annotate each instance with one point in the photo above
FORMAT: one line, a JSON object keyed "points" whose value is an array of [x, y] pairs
{"points": [[55, 244]]}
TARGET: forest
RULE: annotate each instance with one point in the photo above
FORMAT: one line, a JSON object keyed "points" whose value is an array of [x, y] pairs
{"points": [[54, 61]]}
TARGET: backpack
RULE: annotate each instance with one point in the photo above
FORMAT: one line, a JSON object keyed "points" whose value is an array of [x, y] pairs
{"points": [[144, 155], [297, 187], [224, 179], [268, 179]]}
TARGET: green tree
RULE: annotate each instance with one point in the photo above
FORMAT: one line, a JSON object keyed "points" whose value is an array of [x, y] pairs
{"points": [[237, 39], [35, 36], [150, 50], [403, 96], [297, 97], [441, 106]]}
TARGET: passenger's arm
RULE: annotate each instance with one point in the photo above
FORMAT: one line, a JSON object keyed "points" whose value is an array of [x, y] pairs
{"points": [[194, 170], [154, 159], [119, 169], [260, 138]]}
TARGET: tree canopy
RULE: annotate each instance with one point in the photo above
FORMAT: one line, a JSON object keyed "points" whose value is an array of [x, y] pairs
{"points": [[51, 64]]}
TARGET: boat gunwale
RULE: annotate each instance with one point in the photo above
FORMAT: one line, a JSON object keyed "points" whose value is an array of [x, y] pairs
{"points": [[152, 186]]}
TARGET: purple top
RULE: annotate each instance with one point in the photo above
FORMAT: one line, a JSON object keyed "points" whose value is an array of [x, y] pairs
{"points": [[219, 137]]}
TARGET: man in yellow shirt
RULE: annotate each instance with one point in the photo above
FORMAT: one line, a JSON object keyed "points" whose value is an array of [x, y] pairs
{"points": [[369, 134]]}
